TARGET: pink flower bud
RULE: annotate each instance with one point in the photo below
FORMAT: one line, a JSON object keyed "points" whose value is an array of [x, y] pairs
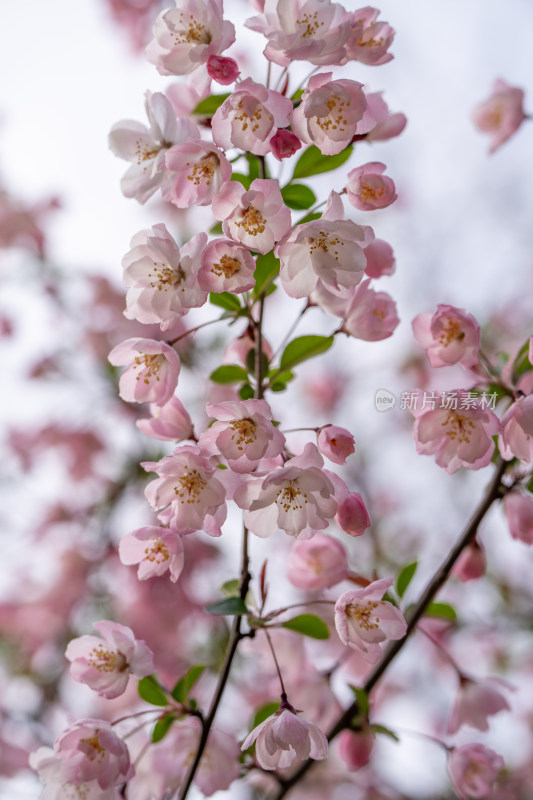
{"points": [[473, 769], [352, 515], [519, 512], [222, 69], [170, 422], [284, 144], [317, 563], [379, 259], [335, 443], [471, 564], [355, 748]]}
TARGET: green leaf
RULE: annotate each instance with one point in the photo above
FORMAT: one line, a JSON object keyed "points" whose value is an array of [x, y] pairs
{"points": [[264, 712], [309, 217], [216, 229], [208, 106], [443, 610], [225, 300], [298, 196], [381, 729], [162, 727], [151, 692], [250, 362], [241, 178], [297, 94], [230, 605], [231, 588], [266, 271], [404, 577], [181, 690], [302, 348], [311, 162], [521, 364], [278, 386], [254, 166], [308, 625], [362, 700], [229, 373], [246, 392]]}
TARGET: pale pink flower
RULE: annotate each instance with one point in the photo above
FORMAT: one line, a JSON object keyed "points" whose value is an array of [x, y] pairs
{"points": [[186, 36], [310, 30], [501, 115], [170, 422], [519, 512], [184, 97], [370, 39], [458, 437], [473, 770], [155, 550], [450, 336], [368, 189], [379, 259], [284, 144], [195, 171], [317, 563], [327, 250], [258, 218], [476, 701], [90, 750], [364, 621], [160, 278], [49, 768], [335, 443], [152, 374], [293, 498], [471, 564], [146, 147], [331, 113], [516, 440], [352, 515], [188, 487], [284, 737], [222, 69], [387, 125], [370, 315], [226, 267], [106, 664], [243, 433], [250, 117], [238, 349], [355, 748]]}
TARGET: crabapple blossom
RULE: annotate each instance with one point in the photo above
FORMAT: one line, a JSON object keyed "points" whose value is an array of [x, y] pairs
{"points": [[250, 117], [387, 125], [146, 147], [370, 315], [90, 750], [379, 259], [370, 39], [295, 497], [49, 768], [257, 218], [476, 701], [364, 621], [317, 563], [519, 512], [106, 664], [335, 443], [226, 266], [331, 113], [284, 144], [187, 36], [328, 250], [450, 336], [223, 70], [152, 374], [355, 748], [284, 737], [169, 422], [160, 278], [516, 440], [243, 433], [155, 549], [501, 115], [473, 770], [458, 436], [352, 515], [368, 189], [471, 564], [195, 171]]}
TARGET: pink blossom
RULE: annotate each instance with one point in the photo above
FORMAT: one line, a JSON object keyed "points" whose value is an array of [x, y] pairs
{"points": [[310, 30], [516, 440], [355, 748], [368, 189], [335, 443], [473, 770], [169, 422], [379, 259], [226, 267], [352, 515], [244, 433], [152, 374], [195, 171], [186, 36], [284, 144], [370, 39], [238, 350], [476, 701], [106, 665], [49, 768], [501, 115], [250, 117], [471, 564], [295, 497], [146, 147], [450, 336], [327, 250], [317, 563], [162, 279], [284, 737], [258, 218], [519, 512], [370, 315], [364, 621], [91, 751], [155, 550], [387, 125], [188, 488], [223, 70], [458, 436], [331, 113]]}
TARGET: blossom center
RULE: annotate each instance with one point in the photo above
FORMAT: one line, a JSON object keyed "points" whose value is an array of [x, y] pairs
{"points": [[252, 115], [245, 432], [144, 151], [107, 660], [290, 497], [325, 243], [192, 31], [458, 427], [227, 266], [150, 366], [157, 552], [312, 25], [190, 486], [165, 277], [92, 748], [335, 119], [252, 221], [368, 193], [362, 614], [450, 332], [202, 170]]}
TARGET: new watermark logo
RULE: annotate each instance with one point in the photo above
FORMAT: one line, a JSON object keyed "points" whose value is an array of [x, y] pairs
{"points": [[384, 400]]}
